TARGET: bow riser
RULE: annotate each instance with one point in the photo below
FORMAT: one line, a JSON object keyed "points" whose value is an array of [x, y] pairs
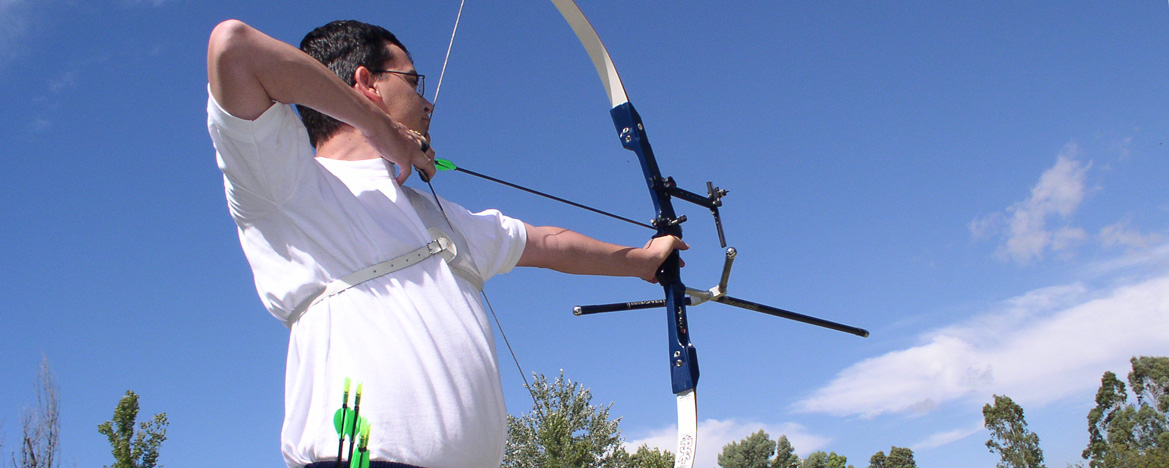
{"points": [[683, 357]]}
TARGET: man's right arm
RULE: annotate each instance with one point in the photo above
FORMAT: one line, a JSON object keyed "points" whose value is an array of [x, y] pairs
{"points": [[249, 70]]}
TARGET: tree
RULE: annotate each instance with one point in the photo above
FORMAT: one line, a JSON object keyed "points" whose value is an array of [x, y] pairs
{"points": [[646, 457], [1016, 445], [564, 430], [1122, 434], [900, 457], [1110, 401], [41, 428], [821, 459], [753, 452], [785, 454], [756, 451], [132, 450]]}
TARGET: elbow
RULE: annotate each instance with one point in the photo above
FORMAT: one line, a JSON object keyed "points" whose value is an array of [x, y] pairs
{"points": [[227, 37]]}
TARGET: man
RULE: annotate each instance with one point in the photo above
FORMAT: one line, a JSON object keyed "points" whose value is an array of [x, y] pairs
{"points": [[321, 228]]}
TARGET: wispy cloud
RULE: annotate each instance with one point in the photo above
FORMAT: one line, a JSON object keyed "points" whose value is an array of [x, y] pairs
{"points": [[1027, 226], [63, 81], [13, 26], [942, 438], [1037, 348], [150, 3], [714, 434], [1124, 235]]}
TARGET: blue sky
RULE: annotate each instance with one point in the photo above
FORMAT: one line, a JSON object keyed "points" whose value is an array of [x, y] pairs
{"points": [[979, 185]]}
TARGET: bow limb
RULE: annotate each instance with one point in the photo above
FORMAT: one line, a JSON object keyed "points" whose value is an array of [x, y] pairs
{"points": [[683, 358]]}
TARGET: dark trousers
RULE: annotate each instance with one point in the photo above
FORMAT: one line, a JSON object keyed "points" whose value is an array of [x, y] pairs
{"points": [[372, 464]]}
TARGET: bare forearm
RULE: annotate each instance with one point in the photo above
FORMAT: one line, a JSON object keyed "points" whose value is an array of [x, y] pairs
{"points": [[570, 252]]}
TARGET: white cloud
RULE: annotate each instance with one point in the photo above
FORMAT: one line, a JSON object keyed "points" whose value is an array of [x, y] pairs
{"points": [[714, 434], [942, 438], [1134, 261], [1122, 234], [1037, 348], [1059, 192]]}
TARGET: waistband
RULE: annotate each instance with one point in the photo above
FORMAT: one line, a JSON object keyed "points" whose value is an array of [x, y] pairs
{"points": [[372, 464]]}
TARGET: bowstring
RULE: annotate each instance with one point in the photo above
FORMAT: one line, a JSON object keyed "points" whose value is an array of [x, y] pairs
{"points": [[433, 193], [449, 45]]}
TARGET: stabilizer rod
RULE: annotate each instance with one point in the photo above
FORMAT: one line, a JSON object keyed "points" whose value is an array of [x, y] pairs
{"points": [[731, 301]]}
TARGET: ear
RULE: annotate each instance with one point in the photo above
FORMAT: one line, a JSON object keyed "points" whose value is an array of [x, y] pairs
{"points": [[364, 83]]}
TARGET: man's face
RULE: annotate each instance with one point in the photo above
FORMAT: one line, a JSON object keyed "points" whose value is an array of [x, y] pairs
{"points": [[400, 100]]}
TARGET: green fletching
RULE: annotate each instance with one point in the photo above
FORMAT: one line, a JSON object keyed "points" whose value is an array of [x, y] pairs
{"points": [[361, 460], [343, 423], [444, 164], [341, 417]]}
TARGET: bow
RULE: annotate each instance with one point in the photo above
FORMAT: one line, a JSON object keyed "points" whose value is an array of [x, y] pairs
{"points": [[682, 355]]}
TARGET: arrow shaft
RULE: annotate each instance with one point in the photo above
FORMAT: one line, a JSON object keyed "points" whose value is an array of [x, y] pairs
{"points": [[552, 197]]}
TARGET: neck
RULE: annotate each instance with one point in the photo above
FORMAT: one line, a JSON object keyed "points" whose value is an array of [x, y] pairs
{"points": [[347, 145]]}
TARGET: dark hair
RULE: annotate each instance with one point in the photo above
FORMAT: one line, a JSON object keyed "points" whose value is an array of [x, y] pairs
{"points": [[343, 46]]}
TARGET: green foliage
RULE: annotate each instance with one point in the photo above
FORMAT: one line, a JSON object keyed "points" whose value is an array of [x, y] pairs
{"points": [[753, 452], [899, 457], [1016, 445], [785, 454], [130, 449], [564, 430], [1150, 381], [646, 457], [1127, 435], [821, 459], [756, 451]]}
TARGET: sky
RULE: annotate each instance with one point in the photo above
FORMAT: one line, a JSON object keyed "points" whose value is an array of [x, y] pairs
{"points": [[978, 184]]}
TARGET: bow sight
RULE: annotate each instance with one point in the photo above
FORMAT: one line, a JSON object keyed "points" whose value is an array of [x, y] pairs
{"points": [[668, 224]]}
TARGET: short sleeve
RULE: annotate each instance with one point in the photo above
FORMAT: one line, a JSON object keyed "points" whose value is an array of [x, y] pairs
{"points": [[263, 159], [496, 241]]}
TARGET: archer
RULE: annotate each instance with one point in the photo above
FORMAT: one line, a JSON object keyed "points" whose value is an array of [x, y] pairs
{"points": [[372, 278]]}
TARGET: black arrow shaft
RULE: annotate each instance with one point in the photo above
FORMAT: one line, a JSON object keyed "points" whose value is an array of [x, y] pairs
{"points": [[553, 197]]}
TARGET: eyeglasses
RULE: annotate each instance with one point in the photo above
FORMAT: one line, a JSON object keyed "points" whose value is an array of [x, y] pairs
{"points": [[417, 80]]}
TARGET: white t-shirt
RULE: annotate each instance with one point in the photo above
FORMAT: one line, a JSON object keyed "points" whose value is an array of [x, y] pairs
{"points": [[418, 339]]}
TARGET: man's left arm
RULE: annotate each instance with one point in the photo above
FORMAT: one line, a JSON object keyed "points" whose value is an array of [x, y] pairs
{"points": [[570, 252]]}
